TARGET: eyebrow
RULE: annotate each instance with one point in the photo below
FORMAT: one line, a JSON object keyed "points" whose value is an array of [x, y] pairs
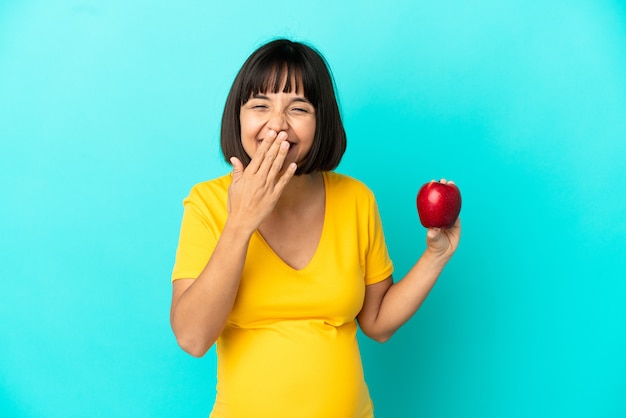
{"points": [[302, 100]]}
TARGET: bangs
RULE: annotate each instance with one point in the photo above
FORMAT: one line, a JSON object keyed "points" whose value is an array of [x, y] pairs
{"points": [[279, 73]]}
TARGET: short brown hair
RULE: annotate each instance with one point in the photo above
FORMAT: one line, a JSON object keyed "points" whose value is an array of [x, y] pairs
{"points": [[263, 72]]}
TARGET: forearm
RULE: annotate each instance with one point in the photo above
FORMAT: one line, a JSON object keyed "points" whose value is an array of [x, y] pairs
{"points": [[404, 298], [201, 311]]}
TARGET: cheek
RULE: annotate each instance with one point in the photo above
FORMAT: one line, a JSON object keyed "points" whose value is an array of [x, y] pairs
{"points": [[247, 127], [305, 128]]}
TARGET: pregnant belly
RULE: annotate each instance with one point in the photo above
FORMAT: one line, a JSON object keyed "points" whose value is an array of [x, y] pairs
{"points": [[300, 368]]}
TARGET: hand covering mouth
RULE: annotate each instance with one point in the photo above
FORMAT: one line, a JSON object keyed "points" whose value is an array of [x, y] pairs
{"points": [[291, 143]]}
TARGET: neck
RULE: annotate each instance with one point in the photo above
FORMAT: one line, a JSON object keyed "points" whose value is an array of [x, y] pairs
{"points": [[298, 191]]}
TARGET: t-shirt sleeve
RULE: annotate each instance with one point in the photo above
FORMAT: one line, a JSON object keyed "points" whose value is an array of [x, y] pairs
{"points": [[196, 242], [378, 263]]}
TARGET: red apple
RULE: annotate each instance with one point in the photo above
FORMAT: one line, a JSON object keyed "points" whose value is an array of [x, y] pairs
{"points": [[438, 204]]}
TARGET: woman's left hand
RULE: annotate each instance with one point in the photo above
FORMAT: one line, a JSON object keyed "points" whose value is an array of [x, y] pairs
{"points": [[443, 242]]}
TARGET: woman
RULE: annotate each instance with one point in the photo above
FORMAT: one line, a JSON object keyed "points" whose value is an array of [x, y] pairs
{"points": [[278, 260]]}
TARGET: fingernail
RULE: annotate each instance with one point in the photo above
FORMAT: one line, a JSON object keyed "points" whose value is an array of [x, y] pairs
{"points": [[284, 145], [282, 135]]}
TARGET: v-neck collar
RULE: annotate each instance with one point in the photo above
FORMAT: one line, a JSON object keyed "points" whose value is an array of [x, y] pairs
{"points": [[320, 243]]}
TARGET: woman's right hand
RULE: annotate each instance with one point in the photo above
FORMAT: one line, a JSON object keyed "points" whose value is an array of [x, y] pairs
{"points": [[255, 190]]}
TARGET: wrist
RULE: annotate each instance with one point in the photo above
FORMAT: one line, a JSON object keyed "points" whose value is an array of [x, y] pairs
{"points": [[238, 230], [436, 257]]}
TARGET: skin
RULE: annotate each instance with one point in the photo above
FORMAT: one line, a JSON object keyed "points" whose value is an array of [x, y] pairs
{"points": [[277, 132]]}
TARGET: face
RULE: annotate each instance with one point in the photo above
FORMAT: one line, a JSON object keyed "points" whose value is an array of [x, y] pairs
{"points": [[289, 112]]}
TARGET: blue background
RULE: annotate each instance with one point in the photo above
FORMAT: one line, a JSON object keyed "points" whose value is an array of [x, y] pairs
{"points": [[109, 113]]}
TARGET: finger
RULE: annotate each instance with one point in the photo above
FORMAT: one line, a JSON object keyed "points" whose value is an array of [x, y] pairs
{"points": [[433, 234], [264, 146], [284, 179], [278, 162], [273, 152], [237, 168]]}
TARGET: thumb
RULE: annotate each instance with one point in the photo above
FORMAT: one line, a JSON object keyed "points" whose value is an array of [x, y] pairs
{"points": [[433, 237], [433, 234], [237, 168]]}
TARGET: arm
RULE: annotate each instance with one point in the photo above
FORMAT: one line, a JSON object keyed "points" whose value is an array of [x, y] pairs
{"points": [[387, 305], [200, 307]]}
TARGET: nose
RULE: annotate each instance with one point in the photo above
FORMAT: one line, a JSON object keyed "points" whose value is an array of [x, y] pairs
{"points": [[277, 121]]}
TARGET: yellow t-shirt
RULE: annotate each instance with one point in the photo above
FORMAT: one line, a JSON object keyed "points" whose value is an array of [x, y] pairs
{"points": [[289, 348]]}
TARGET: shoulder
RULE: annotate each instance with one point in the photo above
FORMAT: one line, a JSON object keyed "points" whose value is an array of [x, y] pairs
{"points": [[347, 186], [210, 188], [339, 180], [210, 193]]}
